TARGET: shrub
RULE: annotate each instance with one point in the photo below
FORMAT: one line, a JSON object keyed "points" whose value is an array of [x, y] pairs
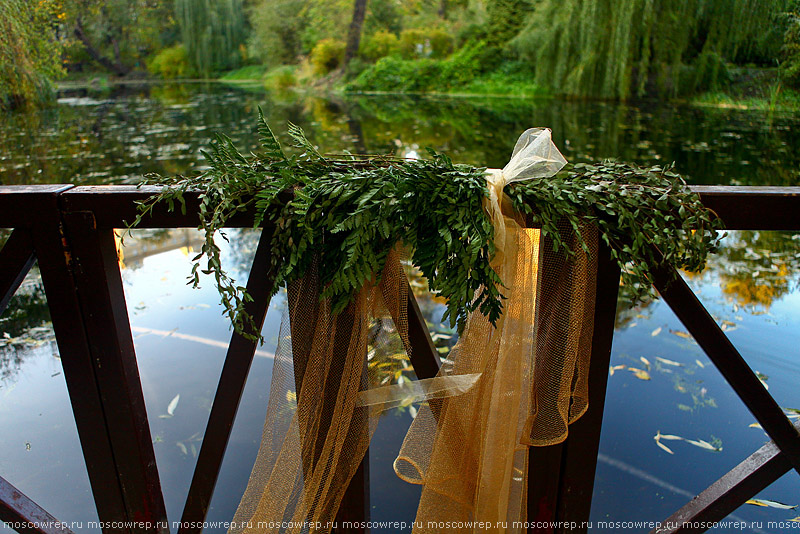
{"points": [[327, 55], [441, 43], [425, 44], [172, 62], [393, 74], [379, 44]]}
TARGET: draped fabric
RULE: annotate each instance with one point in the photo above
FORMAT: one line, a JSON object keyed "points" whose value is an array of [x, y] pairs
{"points": [[503, 387]]}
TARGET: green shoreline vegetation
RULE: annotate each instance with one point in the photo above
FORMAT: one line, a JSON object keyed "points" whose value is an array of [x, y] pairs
{"points": [[723, 53]]}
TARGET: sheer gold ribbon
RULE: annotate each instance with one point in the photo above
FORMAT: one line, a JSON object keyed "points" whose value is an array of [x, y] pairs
{"points": [[470, 451], [502, 388]]}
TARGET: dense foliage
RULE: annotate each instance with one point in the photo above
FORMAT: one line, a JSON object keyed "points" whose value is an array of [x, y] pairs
{"points": [[213, 32], [613, 49], [352, 211], [588, 48], [115, 36], [30, 54], [791, 46]]}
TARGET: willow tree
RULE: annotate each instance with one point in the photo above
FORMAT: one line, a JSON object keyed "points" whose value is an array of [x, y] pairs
{"points": [[624, 48], [213, 33]]}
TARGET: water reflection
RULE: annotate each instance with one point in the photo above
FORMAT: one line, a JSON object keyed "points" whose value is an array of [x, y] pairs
{"points": [[132, 130]]}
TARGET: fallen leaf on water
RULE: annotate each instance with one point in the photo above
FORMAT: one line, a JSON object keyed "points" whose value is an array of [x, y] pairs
{"points": [[680, 333], [655, 332], [613, 368], [412, 411], [182, 447], [641, 374], [755, 425], [664, 447], [703, 444], [668, 362], [771, 504], [645, 361], [700, 364], [173, 404]]}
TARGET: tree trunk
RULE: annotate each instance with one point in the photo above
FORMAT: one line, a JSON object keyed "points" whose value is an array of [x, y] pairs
{"points": [[118, 68], [443, 9], [354, 34]]}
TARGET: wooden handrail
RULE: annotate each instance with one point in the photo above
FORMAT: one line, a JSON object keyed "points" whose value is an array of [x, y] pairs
{"points": [[114, 206], [69, 230]]}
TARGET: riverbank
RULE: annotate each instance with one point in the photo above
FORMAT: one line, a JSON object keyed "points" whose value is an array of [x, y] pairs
{"points": [[461, 76], [749, 89]]}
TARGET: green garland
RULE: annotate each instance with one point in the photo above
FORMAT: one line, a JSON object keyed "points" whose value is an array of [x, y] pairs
{"points": [[351, 211]]}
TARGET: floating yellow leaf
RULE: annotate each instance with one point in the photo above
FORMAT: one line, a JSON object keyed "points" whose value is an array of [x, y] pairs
{"points": [[655, 332], [641, 374], [771, 504], [645, 361], [668, 362], [700, 364], [755, 425], [682, 334], [613, 368]]}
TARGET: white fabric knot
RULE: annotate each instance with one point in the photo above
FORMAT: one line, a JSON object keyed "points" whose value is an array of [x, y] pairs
{"points": [[534, 156]]}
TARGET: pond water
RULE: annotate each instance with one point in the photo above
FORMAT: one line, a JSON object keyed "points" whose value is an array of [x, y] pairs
{"points": [[667, 385]]}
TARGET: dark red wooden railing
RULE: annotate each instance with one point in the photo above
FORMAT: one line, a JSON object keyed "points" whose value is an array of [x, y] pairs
{"points": [[69, 231]]}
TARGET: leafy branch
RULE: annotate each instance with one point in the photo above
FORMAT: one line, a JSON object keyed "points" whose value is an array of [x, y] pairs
{"points": [[350, 211]]}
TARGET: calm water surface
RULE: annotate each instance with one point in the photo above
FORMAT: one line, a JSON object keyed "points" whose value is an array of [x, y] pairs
{"points": [[666, 386]]}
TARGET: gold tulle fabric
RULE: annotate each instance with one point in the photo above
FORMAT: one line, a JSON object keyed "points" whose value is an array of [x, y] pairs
{"points": [[502, 388]]}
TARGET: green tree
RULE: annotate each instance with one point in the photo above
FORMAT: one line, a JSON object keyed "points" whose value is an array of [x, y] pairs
{"points": [[354, 32], [118, 35], [30, 52], [623, 48], [277, 29], [505, 19], [213, 32]]}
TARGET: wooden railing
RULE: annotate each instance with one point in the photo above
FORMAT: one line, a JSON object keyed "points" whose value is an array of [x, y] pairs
{"points": [[69, 231]]}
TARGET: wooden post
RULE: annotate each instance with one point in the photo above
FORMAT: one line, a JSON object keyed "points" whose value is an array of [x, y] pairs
{"points": [[78, 262]]}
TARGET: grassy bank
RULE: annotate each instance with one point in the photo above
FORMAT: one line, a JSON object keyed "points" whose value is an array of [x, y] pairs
{"points": [[779, 99], [756, 89], [476, 69]]}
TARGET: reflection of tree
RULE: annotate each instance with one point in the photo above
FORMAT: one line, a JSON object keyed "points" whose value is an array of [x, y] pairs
{"points": [[756, 268], [27, 308], [143, 243], [753, 269], [23, 324]]}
